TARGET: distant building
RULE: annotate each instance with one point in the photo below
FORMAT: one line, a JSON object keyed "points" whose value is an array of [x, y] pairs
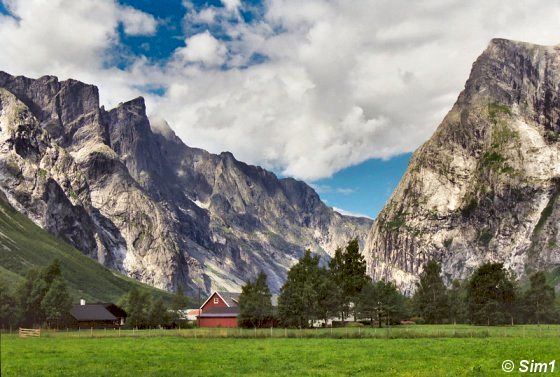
{"points": [[191, 314], [219, 310], [98, 315]]}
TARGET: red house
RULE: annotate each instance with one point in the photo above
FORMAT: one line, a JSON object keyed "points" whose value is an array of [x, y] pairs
{"points": [[219, 310]]}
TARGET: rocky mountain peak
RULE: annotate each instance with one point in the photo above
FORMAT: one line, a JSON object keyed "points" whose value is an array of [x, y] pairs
{"points": [[484, 187]]}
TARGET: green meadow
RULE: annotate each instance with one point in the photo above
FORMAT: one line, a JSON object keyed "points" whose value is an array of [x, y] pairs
{"points": [[402, 351]]}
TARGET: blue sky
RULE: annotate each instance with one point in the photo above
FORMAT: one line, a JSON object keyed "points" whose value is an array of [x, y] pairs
{"points": [[364, 188], [332, 92]]}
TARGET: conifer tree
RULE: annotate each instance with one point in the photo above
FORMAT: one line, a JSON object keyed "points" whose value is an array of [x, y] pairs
{"points": [[255, 305], [539, 300], [430, 299], [298, 302], [348, 269]]}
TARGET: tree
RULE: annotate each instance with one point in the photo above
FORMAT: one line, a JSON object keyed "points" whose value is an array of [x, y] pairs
{"points": [[157, 315], [382, 302], [491, 295], [298, 302], [9, 314], [430, 299], [539, 300], [348, 271], [30, 293], [179, 300], [255, 305], [137, 304], [456, 297], [51, 272], [57, 303], [329, 296]]}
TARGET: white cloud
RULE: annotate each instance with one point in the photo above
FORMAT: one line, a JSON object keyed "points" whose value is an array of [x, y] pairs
{"points": [[326, 189], [341, 82], [350, 213], [136, 22], [203, 48], [231, 5]]}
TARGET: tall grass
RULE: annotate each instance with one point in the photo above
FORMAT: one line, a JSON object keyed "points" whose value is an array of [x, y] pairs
{"points": [[399, 332]]}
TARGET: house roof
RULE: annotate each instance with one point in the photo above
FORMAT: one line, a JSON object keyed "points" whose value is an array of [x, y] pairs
{"points": [[97, 312], [230, 298], [217, 312]]}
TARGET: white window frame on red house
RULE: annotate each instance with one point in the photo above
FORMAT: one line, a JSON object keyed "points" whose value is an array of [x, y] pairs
{"points": [[216, 300]]}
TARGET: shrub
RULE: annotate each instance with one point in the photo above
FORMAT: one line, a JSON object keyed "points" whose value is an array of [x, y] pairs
{"points": [[418, 320], [354, 324]]}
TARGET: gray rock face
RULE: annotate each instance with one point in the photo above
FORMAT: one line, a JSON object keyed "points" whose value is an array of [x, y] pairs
{"points": [[131, 195], [485, 187]]}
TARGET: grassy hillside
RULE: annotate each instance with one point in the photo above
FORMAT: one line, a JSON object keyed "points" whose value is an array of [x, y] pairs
{"points": [[24, 245]]}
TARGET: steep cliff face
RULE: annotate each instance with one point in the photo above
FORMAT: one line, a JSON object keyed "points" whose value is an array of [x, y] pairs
{"points": [[485, 187], [131, 195]]}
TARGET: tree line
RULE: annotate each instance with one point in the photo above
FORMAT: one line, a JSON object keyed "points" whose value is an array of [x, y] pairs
{"points": [[43, 299], [342, 289], [145, 310], [314, 292]]}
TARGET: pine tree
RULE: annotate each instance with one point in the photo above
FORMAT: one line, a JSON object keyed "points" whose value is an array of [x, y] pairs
{"points": [[329, 296], [457, 296], [51, 272], [430, 299], [298, 302], [348, 269], [539, 300], [57, 303], [255, 305]]}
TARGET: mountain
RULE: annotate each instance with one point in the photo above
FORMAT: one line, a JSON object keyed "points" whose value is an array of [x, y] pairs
{"points": [[25, 245], [486, 186], [130, 194]]}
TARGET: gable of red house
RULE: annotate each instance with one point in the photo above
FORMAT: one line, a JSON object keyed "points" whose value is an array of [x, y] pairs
{"points": [[219, 310]]}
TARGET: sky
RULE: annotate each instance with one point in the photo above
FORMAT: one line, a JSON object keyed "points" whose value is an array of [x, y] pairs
{"points": [[336, 93]]}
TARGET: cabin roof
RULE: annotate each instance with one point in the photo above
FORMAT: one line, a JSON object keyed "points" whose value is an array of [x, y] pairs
{"points": [[97, 312], [231, 298]]}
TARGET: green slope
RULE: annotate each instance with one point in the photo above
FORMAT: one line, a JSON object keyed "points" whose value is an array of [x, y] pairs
{"points": [[24, 245]]}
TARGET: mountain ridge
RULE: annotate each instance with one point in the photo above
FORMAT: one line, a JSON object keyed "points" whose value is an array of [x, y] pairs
{"points": [[137, 199]]}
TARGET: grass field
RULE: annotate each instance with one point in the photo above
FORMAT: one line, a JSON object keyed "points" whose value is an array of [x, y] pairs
{"points": [[24, 245], [407, 351]]}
